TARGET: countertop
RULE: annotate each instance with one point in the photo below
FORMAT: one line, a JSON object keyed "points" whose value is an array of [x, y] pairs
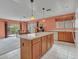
{"points": [[33, 36]]}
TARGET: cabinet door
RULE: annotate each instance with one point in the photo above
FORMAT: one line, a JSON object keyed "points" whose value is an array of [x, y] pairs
{"points": [[69, 37], [48, 42], [66, 36], [26, 49], [44, 45], [61, 36], [37, 50], [51, 40]]}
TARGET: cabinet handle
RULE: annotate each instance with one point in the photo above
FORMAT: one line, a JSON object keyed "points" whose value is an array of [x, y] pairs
{"points": [[22, 44]]}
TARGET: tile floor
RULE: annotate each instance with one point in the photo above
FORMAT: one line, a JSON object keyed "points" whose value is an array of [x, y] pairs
{"points": [[60, 50], [9, 44]]}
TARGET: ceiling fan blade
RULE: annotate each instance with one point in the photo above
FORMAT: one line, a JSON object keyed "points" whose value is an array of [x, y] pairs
{"points": [[48, 10]]}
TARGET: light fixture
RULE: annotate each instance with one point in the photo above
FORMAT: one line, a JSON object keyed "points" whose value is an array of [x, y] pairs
{"points": [[32, 16], [43, 11], [32, 1], [43, 20], [43, 14]]}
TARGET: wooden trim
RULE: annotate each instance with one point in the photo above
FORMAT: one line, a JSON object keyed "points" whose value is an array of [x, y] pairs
{"points": [[65, 41], [20, 26], [6, 30]]}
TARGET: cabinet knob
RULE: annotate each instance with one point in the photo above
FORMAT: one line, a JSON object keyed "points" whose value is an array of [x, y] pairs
{"points": [[22, 44]]}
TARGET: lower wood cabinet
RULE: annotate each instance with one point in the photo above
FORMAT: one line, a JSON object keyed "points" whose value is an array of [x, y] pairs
{"points": [[44, 44], [26, 52], [51, 40], [66, 36], [37, 49], [48, 42], [34, 49]]}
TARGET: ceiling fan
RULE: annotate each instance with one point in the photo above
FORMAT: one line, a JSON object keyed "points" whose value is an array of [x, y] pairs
{"points": [[32, 1], [48, 10]]}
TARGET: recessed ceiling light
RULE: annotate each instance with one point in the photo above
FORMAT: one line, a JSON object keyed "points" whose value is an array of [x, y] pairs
{"points": [[43, 20]]}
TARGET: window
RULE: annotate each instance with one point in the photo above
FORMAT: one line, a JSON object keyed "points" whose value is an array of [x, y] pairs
{"points": [[13, 29]]}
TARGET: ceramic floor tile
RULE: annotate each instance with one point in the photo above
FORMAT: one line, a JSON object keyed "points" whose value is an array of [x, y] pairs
{"points": [[11, 55], [9, 44], [62, 50], [71, 57]]}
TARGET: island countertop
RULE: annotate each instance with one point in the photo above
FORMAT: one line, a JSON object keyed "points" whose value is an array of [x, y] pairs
{"points": [[32, 36]]}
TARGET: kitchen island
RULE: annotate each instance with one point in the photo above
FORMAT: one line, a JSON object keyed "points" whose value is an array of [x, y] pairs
{"points": [[35, 45]]}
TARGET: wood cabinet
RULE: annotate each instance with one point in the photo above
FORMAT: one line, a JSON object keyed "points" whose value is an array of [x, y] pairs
{"points": [[51, 40], [44, 44], [23, 27], [26, 49], [66, 36], [34, 49], [2, 29], [48, 42]]}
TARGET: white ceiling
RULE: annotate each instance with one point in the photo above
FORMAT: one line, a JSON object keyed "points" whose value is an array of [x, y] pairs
{"points": [[17, 9]]}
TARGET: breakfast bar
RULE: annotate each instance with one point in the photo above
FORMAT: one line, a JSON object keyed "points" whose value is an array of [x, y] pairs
{"points": [[35, 45]]}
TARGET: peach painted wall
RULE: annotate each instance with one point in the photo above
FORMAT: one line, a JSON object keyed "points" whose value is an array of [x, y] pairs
{"points": [[2, 29], [49, 24]]}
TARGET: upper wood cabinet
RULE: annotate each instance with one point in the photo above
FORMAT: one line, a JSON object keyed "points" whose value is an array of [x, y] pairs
{"points": [[23, 27], [2, 29]]}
